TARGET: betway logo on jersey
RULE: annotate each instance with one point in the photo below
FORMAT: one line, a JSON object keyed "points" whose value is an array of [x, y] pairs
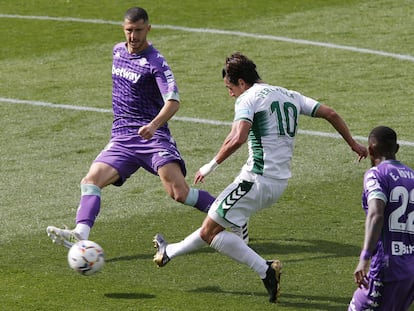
{"points": [[399, 248], [124, 73]]}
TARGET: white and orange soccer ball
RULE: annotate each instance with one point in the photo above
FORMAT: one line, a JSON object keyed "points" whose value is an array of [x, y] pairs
{"points": [[86, 257]]}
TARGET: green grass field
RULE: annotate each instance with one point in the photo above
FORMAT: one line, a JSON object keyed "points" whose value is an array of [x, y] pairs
{"points": [[356, 56]]}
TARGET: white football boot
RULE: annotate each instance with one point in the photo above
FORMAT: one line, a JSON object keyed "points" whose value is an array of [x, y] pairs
{"points": [[65, 237]]}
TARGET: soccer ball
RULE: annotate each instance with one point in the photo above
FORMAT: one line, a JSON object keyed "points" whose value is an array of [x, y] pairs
{"points": [[86, 257]]}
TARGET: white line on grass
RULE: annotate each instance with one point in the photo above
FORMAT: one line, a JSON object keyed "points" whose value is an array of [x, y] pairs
{"points": [[184, 119], [210, 31], [224, 32]]}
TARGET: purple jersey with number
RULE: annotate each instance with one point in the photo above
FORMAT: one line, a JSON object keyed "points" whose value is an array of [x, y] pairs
{"points": [[141, 84], [392, 182]]}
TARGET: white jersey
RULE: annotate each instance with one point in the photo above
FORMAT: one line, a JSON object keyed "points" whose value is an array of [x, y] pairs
{"points": [[273, 112]]}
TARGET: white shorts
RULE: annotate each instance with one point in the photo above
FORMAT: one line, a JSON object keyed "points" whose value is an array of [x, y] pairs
{"points": [[247, 195]]}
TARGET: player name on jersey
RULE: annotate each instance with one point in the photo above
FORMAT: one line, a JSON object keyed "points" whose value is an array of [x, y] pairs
{"points": [[402, 174]]}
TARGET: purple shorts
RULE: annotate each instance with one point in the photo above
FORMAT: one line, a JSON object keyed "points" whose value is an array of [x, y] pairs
{"points": [[129, 153], [389, 296]]}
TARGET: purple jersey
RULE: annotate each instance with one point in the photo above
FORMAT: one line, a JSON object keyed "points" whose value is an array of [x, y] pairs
{"points": [[141, 84], [392, 182]]}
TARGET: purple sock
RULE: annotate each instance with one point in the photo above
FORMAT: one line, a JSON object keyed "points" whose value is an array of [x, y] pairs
{"points": [[204, 201], [89, 206], [88, 209]]}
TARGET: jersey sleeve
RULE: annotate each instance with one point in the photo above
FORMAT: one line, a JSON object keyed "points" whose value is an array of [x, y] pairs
{"points": [[373, 186], [165, 80], [244, 109], [309, 106]]}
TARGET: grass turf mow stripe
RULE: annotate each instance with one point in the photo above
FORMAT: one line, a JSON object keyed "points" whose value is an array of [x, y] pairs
{"points": [[184, 119], [210, 31], [223, 32]]}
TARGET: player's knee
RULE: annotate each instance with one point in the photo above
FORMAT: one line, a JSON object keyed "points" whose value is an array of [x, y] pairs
{"points": [[179, 198], [178, 195], [206, 235], [87, 180]]}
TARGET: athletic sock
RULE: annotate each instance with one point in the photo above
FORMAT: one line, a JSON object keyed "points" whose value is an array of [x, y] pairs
{"points": [[189, 244], [205, 199], [200, 199], [83, 231], [89, 206], [229, 244]]}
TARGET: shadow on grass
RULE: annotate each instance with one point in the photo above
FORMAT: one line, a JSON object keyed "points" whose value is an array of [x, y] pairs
{"points": [[319, 249], [322, 248], [150, 256], [314, 247], [289, 300], [129, 296], [129, 257]]}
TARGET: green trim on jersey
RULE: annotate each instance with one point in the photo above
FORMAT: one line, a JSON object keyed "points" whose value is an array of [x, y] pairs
{"points": [[258, 130], [315, 109], [243, 119], [171, 96]]}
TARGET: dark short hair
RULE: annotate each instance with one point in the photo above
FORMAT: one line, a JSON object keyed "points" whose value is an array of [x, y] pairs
{"points": [[135, 14], [237, 67], [385, 138]]}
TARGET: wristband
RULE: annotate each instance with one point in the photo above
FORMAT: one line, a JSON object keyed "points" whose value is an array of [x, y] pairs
{"points": [[365, 254], [208, 168]]}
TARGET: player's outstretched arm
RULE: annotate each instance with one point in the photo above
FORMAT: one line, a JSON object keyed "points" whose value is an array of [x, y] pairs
{"points": [[236, 138], [340, 126]]}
